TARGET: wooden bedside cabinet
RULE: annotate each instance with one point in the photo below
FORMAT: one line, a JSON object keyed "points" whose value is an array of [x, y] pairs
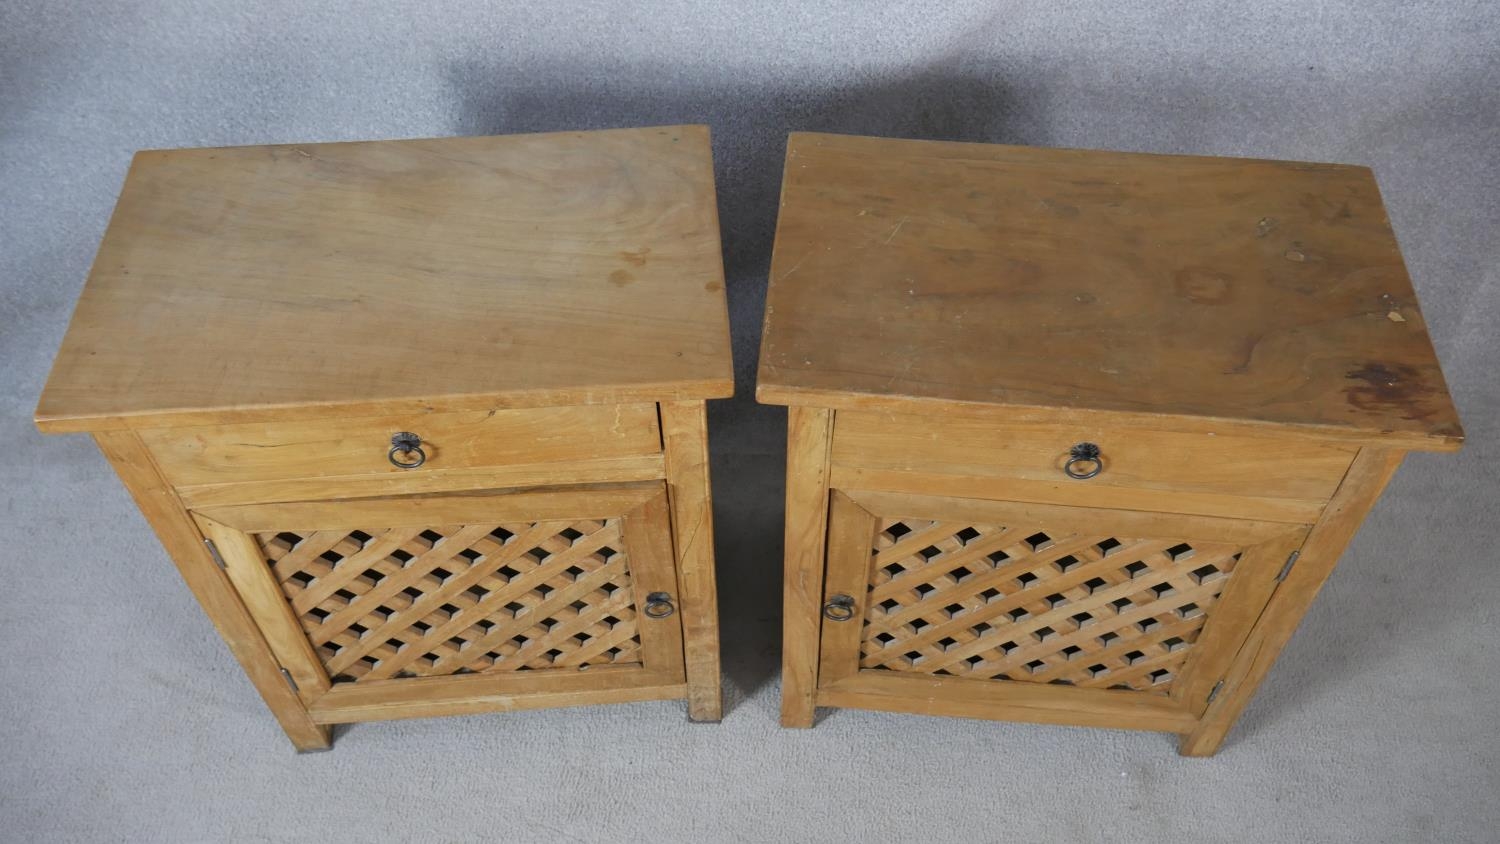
{"points": [[421, 422], [1075, 437]]}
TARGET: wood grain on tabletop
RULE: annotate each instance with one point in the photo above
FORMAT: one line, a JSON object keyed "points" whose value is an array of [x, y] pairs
{"points": [[949, 276], [456, 273]]}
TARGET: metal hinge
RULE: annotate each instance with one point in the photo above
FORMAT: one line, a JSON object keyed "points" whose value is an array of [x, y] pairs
{"points": [[287, 675], [1286, 569], [213, 551], [1214, 692]]}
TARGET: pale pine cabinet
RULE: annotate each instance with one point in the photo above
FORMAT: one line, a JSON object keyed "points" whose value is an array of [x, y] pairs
{"points": [[1075, 437], [422, 423]]}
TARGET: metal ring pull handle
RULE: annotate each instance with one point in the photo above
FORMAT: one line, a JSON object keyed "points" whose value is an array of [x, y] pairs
{"points": [[659, 605], [406, 444], [1084, 454], [839, 608]]}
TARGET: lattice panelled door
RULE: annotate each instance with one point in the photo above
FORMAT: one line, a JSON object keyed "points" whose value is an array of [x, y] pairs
{"points": [[540, 584], [1008, 593]]}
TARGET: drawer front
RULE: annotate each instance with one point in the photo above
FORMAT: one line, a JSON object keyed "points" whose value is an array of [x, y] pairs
{"points": [[1286, 480], [445, 604], [244, 453]]}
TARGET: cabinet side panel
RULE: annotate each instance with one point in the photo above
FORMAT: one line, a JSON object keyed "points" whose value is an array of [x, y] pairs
{"points": [[210, 586], [1371, 471]]}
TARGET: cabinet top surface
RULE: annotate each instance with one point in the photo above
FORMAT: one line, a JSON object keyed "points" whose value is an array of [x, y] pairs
{"points": [[567, 268], [912, 274]]}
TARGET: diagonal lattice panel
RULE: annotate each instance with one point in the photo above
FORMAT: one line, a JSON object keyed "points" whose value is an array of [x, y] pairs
{"points": [[417, 602], [1032, 605]]}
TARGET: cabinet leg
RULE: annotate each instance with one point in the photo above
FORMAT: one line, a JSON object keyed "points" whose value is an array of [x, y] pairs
{"points": [[1204, 740], [316, 740], [685, 442], [808, 434], [701, 711]]}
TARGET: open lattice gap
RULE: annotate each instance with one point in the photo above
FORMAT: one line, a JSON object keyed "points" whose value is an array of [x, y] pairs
{"points": [[415, 602], [1033, 605]]}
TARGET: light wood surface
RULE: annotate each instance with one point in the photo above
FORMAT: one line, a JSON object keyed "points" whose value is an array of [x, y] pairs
{"points": [[1006, 593], [647, 534], [262, 596], [684, 428], [1130, 522], [400, 277], [572, 473], [545, 312], [1226, 599], [211, 586], [246, 453], [1037, 704], [1218, 475], [809, 436], [349, 598], [1240, 339], [1149, 291], [470, 694], [1367, 478], [585, 502], [1236, 612], [1290, 510], [851, 535]]}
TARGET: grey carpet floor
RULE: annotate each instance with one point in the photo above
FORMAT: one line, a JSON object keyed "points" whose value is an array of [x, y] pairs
{"points": [[122, 717]]}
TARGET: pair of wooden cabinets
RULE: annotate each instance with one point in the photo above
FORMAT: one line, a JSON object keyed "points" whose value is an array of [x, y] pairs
{"points": [[1073, 437]]}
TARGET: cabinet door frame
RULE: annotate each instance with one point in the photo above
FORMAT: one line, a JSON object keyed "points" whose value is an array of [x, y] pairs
{"points": [[645, 527], [853, 519]]}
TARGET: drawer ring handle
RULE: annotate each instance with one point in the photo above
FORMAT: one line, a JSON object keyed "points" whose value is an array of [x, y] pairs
{"points": [[839, 608], [1085, 453], [407, 444], [659, 605]]}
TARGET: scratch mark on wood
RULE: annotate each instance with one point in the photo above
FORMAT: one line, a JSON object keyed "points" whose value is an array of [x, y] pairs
{"points": [[788, 274], [899, 224]]}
